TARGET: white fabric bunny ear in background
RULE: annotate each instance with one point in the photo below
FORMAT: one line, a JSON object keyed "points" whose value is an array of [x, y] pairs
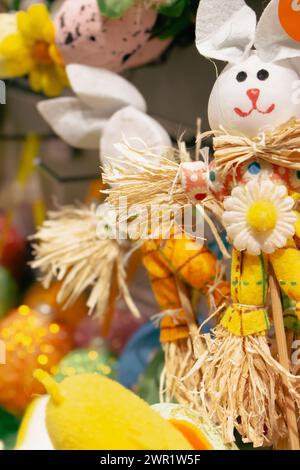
{"points": [[128, 132], [103, 90], [106, 111], [225, 29], [80, 120], [272, 41], [74, 122]]}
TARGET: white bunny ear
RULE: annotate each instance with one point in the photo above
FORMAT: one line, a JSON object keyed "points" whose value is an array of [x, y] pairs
{"points": [[103, 90], [138, 130], [225, 29], [76, 123], [272, 41]]}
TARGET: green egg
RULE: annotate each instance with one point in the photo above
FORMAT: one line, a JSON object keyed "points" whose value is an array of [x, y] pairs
{"points": [[92, 360]]}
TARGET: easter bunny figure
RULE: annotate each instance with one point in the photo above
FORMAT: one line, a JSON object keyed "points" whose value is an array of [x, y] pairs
{"points": [[254, 114]]}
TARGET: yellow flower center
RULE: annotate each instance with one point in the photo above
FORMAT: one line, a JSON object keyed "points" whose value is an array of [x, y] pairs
{"points": [[262, 216], [41, 54]]}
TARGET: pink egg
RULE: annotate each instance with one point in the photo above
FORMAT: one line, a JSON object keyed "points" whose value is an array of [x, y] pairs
{"points": [[87, 331], [151, 51], [123, 326], [84, 36]]}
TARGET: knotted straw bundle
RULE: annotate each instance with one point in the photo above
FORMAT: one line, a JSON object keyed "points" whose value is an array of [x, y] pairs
{"points": [[154, 181], [245, 388], [69, 248], [279, 146]]}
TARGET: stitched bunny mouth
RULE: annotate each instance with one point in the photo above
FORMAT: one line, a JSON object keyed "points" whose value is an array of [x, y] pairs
{"points": [[245, 114]]}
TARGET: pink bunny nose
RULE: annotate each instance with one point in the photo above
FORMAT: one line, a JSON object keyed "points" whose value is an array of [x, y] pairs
{"points": [[253, 94]]}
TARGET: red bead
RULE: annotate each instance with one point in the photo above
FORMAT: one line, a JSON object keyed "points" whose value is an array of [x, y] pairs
{"points": [[200, 196]]}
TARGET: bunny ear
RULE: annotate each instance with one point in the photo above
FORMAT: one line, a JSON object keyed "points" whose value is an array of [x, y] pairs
{"points": [[135, 128], [74, 122], [272, 41], [102, 89], [225, 29]]}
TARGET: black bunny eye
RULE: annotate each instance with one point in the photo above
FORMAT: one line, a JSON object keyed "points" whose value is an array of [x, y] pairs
{"points": [[263, 74], [241, 76]]}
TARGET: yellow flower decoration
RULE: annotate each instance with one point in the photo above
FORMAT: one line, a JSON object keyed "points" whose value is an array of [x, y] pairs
{"points": [[31, 51]]}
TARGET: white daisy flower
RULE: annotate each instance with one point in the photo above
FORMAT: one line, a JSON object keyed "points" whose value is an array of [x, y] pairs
{"points": [[259, 217]]}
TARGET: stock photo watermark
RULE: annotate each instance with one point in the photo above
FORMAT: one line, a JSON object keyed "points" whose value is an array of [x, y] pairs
{"points": [[295, 5], [2, 92], [295, 358], [154, 222]]}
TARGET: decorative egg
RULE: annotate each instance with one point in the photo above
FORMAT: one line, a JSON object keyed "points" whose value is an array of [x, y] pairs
{"points": [[81, 361], [33, 434], [13, 247], [84, 36], [9, 294], [138, 353], [87, 332], [150, 52], [31, 341], [123, 326], [44, 301], [200, 432], [86, 411]]}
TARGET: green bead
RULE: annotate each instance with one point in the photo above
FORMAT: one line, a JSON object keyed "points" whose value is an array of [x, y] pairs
{"points": [[212, 176]]}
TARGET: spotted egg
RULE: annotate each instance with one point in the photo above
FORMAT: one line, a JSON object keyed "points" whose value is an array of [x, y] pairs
{"points": [[31, 340], [84, 36]]}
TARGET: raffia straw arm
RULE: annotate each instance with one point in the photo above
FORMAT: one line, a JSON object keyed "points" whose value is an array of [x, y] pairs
{"points": [[67, 248], [146, 187]]}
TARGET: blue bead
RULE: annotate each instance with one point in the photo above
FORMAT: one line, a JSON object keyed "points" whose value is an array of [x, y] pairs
{"points": [[254, 168]]}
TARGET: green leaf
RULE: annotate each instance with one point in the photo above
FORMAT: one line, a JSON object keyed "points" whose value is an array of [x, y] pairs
{"points": [[174, 8], [167, 27], [114, 8]]}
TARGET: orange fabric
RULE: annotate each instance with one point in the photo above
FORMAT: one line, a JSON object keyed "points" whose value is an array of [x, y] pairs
{"points": [[181, 259]]}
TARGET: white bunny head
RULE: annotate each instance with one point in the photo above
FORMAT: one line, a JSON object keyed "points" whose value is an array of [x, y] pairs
{"points": [[258, 88]]}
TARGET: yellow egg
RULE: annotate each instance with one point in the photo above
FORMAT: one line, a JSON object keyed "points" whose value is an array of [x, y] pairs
{"points": [[92, 412]]}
